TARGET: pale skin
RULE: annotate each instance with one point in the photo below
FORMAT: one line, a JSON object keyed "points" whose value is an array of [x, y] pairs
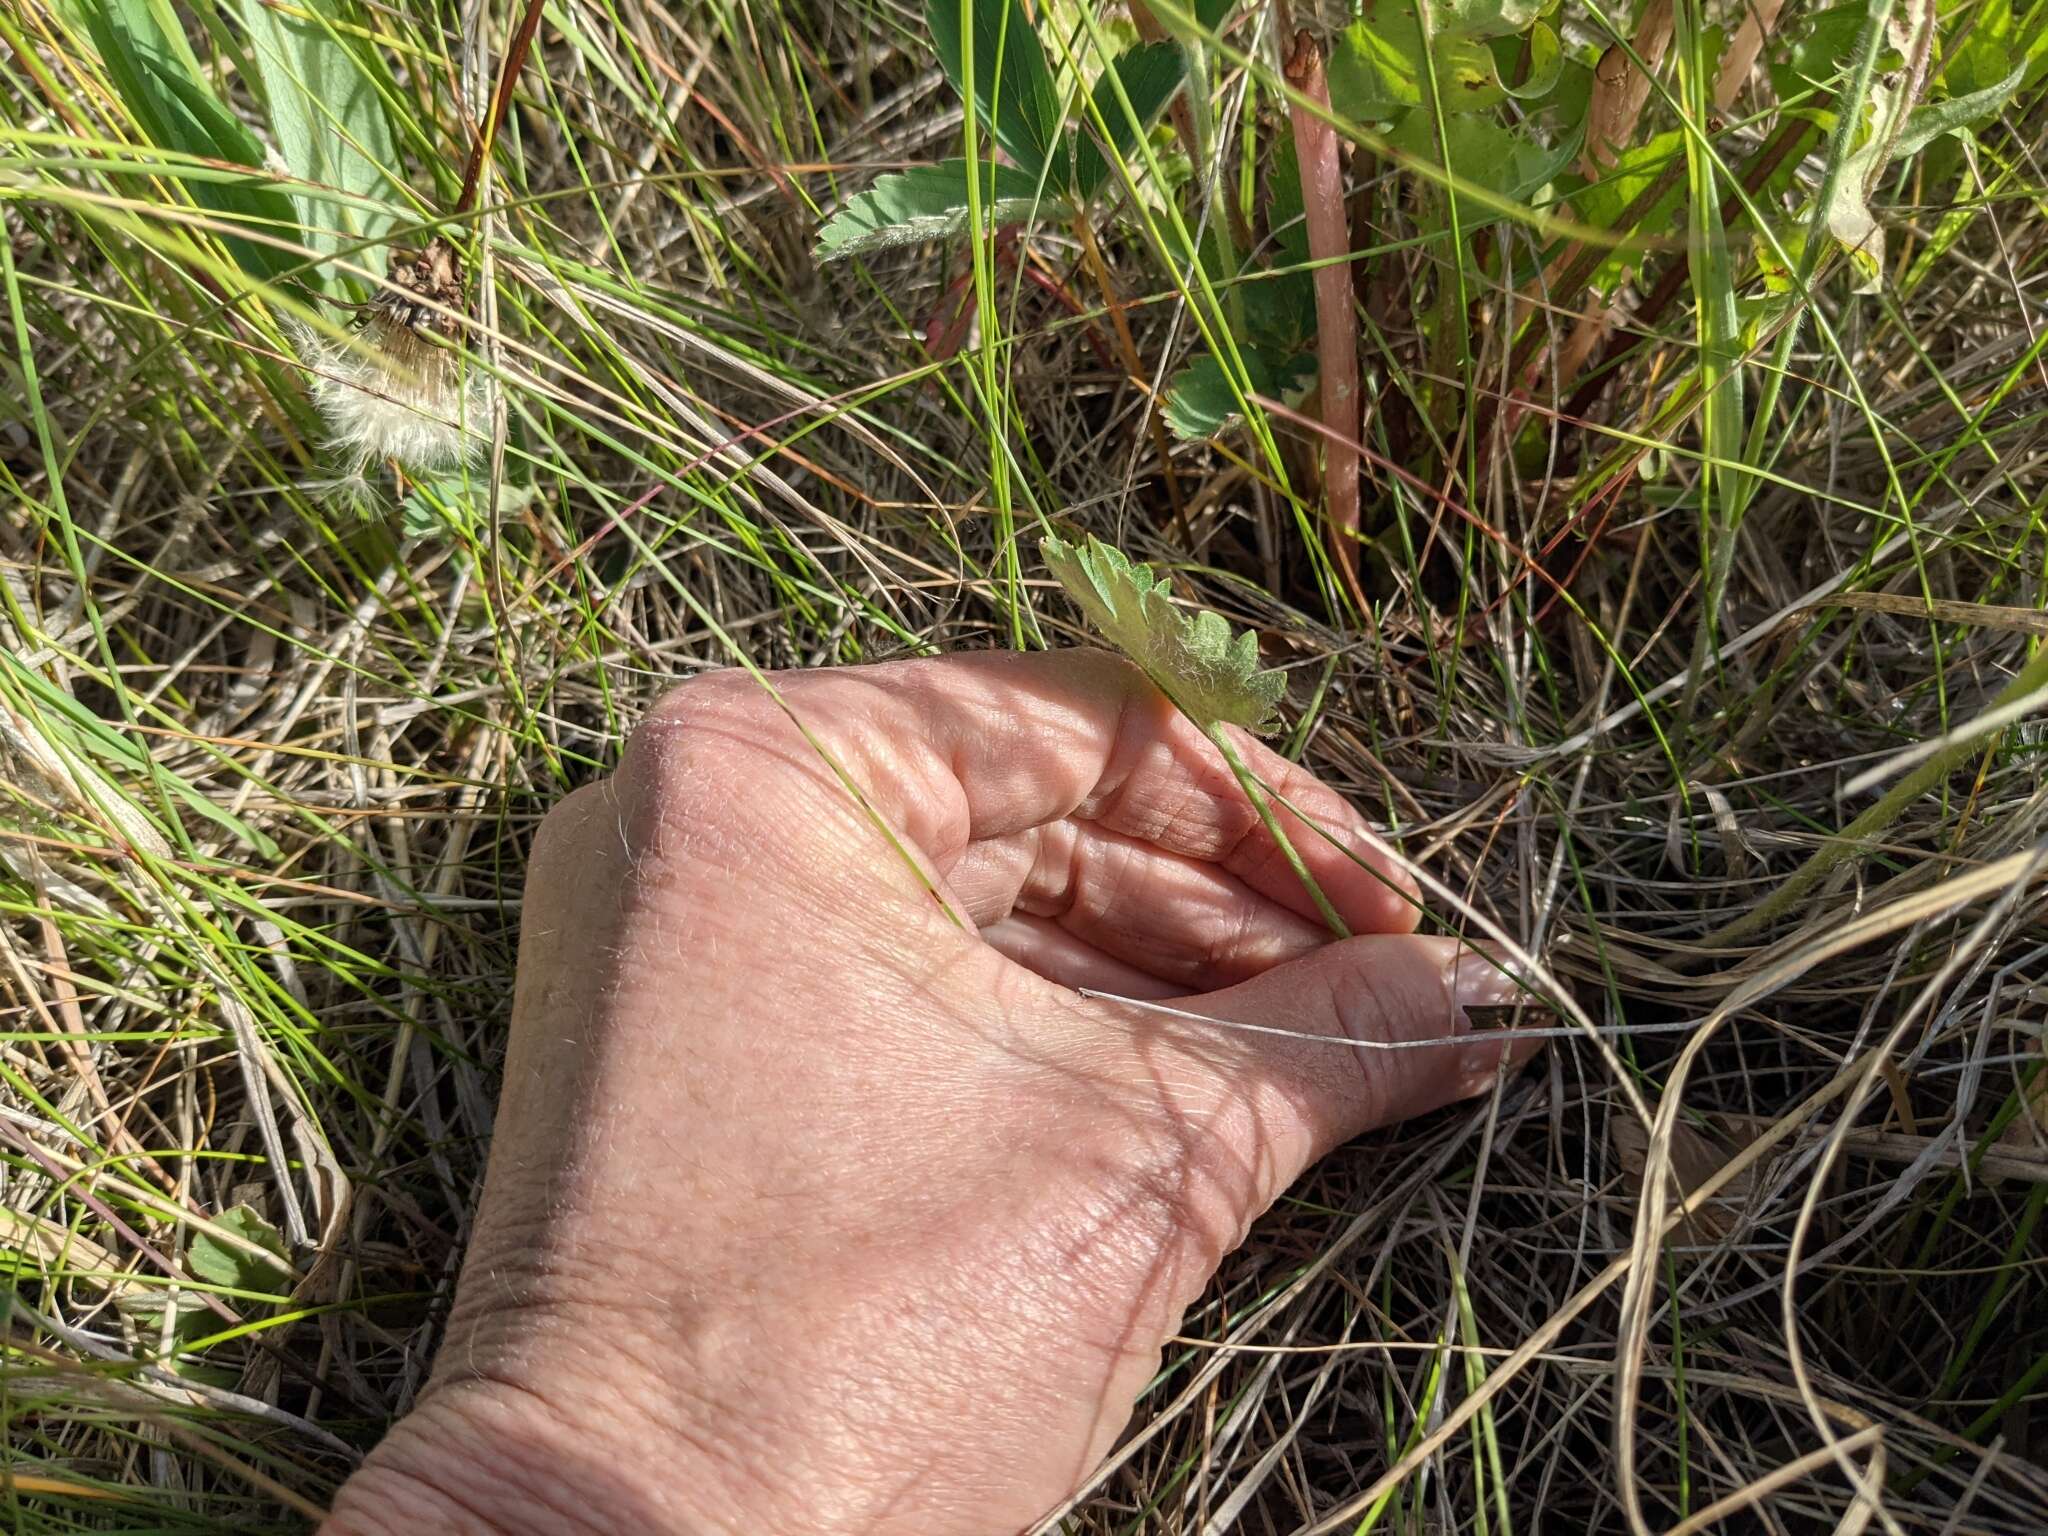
{"points": [[819, 1199]]}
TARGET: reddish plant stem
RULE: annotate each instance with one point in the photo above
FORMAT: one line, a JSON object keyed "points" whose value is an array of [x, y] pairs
{"points": [[501, 102], [1329, 245]]}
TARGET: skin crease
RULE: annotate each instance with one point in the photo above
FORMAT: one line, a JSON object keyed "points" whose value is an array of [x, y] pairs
{"points": [[812, 1208]]}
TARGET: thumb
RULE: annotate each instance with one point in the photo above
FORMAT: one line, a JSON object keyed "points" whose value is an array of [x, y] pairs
{"points": [[1321, 1091]]}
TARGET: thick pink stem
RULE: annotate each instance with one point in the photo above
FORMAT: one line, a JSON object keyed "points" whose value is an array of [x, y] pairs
{"points": [[1329, 247]]}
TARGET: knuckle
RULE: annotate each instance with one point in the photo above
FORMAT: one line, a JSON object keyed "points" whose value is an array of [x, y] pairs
{"points": [[669, 746], [701, 744], [562, 830]]}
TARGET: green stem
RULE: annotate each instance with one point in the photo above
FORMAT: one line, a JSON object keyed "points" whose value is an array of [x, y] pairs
{"points": [[1264, 807]]}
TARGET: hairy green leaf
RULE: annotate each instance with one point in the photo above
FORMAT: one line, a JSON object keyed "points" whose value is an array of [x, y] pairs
{"points": [[1012, 89], [926, 202], [1200, 402], [330, 124], [1958, 114], [222, 1262], [1213, 676], [1149, 75]]}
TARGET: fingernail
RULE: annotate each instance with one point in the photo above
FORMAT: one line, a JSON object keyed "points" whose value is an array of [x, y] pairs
{"points": [[1483, 979]]}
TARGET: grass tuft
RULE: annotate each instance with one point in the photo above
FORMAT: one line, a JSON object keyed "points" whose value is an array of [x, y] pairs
{"points": [[1670, 524]]}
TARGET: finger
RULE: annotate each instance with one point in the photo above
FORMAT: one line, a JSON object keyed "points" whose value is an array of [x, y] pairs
{"points": [[1060, 957], [1290, 1099], [1189, 924], [965, 748]]}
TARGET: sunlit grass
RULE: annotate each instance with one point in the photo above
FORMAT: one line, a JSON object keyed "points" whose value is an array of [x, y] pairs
{"points": [[274, 735]]}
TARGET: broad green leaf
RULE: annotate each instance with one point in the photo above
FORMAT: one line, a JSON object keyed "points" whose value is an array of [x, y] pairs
{"points": [[1213, 676], [1199, 401], [1013, 90], [926, 202], [161, 88], [329, 121], [1377, 68], [1280, 302], [1816, 49], [1546, 64], [1149, 74], [221, 1262], [1488, 18], [1279, 316], [1997, 43], [1287, 213]]}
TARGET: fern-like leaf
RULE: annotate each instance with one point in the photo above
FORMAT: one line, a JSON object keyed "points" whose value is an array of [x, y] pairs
{"points": [[1212, 675]]}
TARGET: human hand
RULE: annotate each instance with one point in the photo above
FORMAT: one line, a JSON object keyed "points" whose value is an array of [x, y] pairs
{"points": [[813, 1209]]}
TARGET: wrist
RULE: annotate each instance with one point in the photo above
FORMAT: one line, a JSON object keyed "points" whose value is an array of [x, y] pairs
{"points": [[484, 1459]]}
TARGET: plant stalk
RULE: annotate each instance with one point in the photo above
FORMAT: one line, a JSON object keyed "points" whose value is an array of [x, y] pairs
{"points": [[1329, 246], [1264, 807]]}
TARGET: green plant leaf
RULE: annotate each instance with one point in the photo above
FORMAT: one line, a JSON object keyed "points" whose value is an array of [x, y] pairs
{"points": [[1013, 89], [1602, 204], [214, 1259], [159, 84], [1200, 403], [1546, 64], [1481, 155], [1212, 675], [1958, 114], [1997, 43], [1817, 48], [330, 124], [1849, 216], [1150, 74], [1377, 68], [926, 202], [1489, 18]]}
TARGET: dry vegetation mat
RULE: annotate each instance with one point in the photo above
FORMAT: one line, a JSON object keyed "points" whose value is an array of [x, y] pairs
{"points": [[1617, 435]]}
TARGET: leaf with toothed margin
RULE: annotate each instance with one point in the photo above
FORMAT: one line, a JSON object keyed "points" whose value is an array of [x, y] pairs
{"points": [[927, 202], [1213, 675]]}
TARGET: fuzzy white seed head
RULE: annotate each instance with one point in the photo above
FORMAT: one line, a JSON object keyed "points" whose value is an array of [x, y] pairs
{"points": [[390, 393]]}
